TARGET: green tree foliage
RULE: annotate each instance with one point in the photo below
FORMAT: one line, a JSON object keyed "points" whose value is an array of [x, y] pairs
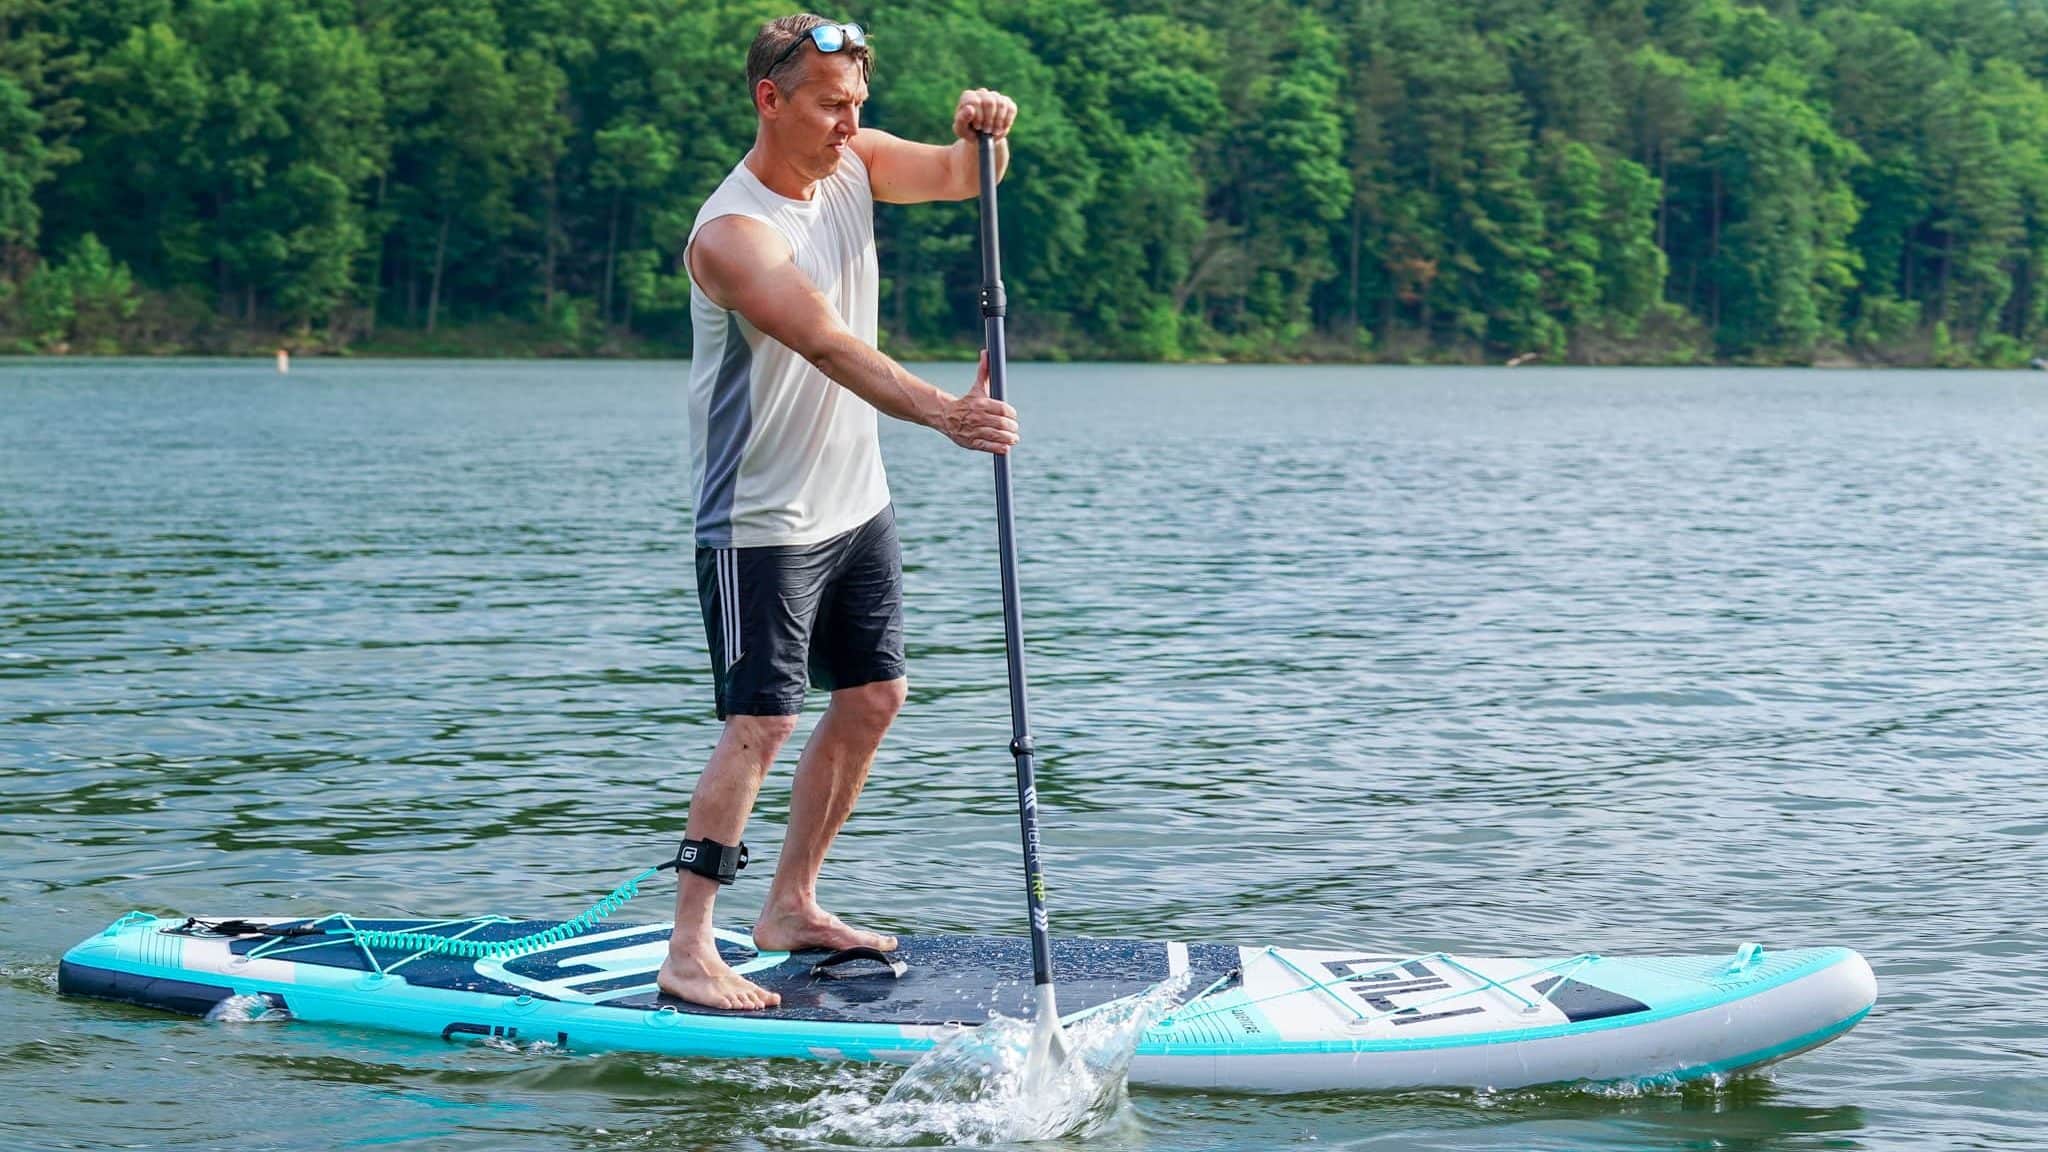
{"points": [[24, 164], [1140, 90], [82, 304], [230, 148], [37, 116], [1580, 179]]}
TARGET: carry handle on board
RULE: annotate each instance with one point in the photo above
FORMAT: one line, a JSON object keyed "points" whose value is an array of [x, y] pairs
{"points": [[1048, 1044]]}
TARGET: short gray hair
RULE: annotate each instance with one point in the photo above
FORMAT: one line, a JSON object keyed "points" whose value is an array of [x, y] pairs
{"points": [[774, 40]]}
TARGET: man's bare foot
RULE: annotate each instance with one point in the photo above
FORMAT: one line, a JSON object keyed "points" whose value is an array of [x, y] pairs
{"points": [[796, 929], [705, 979]]}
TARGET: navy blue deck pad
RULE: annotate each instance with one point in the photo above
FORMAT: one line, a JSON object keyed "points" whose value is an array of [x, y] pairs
{"points": [[951, 979], [962, 979]]}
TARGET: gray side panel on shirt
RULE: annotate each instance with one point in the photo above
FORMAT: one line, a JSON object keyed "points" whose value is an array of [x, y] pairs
{"points": [[730, 419]]}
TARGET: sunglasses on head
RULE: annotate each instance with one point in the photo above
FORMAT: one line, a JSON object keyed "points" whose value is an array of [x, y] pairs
{"points": [[828, 37]]}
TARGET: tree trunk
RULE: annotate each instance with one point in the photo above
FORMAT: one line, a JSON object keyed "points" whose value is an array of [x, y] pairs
{"points": [[377, 276], [611, 252], [1251, 218], [2012, 319], [1948, 251], [440, 261], [1906, 260], [1357, 231], [1713, 254], [1663, 200], [220, 263], [1215, 245], [548, 261], [632, 218]]}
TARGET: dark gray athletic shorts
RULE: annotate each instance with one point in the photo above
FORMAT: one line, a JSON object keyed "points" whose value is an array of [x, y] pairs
{"points": [[832, 609]]}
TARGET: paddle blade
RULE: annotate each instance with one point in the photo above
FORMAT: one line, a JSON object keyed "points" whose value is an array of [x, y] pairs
{"points": [[1050, 1050], [1009, 1081]]}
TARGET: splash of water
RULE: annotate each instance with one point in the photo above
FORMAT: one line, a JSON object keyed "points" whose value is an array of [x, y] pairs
{"points": [[522, 1047], [976, 1086], [254, 1007]]}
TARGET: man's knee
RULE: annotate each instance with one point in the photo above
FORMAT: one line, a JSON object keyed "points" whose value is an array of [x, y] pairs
{"points": [[759, 738], [876, 703]]}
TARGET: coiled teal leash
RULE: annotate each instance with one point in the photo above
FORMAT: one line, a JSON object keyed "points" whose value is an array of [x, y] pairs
{"points": [[708, 858], [423, 942]]}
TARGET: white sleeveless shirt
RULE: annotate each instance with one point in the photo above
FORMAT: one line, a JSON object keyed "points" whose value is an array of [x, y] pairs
{"points": [[779, 453]]}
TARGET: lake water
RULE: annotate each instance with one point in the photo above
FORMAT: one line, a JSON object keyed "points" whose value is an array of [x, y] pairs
{"points": [[1532, 660]]}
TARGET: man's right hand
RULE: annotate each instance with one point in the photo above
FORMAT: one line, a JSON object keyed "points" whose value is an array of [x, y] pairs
{"points": [[977, 420], [744, 265]]}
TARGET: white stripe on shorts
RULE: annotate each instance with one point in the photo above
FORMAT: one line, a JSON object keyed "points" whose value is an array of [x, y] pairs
{"points": [[729, 594]]}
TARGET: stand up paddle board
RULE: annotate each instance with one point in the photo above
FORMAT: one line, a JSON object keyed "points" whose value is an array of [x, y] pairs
{"points": [[1256, 1019]]}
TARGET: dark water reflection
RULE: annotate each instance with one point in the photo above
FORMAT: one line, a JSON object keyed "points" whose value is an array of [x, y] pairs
{"points": [[1542, 660]]}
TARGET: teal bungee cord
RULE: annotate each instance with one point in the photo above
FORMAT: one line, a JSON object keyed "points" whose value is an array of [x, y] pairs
{"points": [[492, 949], [703, 857]]}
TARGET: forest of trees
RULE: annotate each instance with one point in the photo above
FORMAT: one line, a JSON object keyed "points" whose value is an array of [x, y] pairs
{"points": [[1591, 180]]}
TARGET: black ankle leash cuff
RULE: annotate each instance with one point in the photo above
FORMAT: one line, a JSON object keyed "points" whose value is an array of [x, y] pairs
{"points": [[720, 862]]}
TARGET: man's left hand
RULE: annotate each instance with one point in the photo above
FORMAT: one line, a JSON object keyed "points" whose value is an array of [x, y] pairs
{"points": [[983, 110]]}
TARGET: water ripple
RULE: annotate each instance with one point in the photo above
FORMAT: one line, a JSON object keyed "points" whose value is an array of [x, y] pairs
{"points": [[1627, 661]]}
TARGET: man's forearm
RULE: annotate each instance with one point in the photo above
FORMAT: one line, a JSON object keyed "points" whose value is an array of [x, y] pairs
{"points": [[966, 164], [864, 371]]}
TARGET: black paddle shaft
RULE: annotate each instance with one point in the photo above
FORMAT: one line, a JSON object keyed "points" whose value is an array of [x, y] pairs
{"points": [[993, 307]]}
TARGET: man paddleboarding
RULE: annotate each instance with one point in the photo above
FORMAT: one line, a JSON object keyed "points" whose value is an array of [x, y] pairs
{"points": [[799, 573]]}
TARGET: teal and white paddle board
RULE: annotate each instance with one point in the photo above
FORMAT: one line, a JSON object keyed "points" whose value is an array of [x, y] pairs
{"points": [[1256, 1019]]}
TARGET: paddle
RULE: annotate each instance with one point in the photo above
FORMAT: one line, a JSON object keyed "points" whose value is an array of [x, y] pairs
{"points": [[1048, 1043]]}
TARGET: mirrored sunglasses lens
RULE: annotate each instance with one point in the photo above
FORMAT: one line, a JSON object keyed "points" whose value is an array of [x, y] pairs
{"points": [[828, 38], [854, 34]]}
